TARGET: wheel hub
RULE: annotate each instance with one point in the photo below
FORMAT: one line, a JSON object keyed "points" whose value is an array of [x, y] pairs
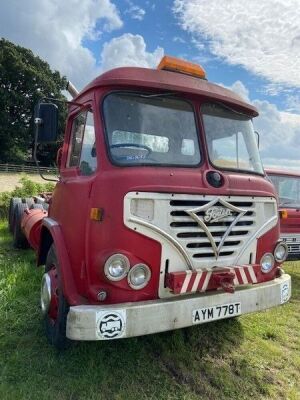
{"points": [[45, 293]]}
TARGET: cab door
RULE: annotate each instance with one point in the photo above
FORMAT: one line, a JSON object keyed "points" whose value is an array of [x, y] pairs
{"points": [[70, 205]]}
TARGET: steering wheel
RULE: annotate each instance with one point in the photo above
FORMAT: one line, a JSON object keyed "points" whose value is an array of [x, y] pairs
{"points": [[139, 146]]}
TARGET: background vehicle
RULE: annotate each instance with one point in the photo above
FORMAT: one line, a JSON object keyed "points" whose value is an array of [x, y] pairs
{"points": [[162, 216], [287, 184]]}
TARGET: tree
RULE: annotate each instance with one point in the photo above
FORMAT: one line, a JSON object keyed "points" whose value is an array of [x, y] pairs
{"points": [[24, 79]]}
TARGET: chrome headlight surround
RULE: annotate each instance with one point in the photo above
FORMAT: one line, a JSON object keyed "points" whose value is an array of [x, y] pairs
{"points": [[281, 247], [133, 278], [267, 262], [116, 267]]}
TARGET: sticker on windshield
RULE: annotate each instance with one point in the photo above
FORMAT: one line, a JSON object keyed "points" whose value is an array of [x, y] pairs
{"points": [[110, 324]]}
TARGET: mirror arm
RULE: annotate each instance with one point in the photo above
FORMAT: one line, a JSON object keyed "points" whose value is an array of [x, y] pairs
{"points": [[37, 122], [75, 103]]}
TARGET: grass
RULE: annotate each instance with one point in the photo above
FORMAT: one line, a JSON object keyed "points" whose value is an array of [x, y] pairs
{"points": [[253, 357]]}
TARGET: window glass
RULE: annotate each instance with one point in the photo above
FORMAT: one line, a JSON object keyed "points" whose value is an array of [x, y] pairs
{"points": [[83, 144], [148, 130], [231, 139], [288, 189], [159, 144]]}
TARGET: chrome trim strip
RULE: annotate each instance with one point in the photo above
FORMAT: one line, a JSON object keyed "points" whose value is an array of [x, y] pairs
{"points": [[254, 236], [164, 234], [193, 214]]}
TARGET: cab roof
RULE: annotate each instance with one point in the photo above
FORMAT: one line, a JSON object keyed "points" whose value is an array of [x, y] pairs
{"points": [[285, 172], [169, 81]]}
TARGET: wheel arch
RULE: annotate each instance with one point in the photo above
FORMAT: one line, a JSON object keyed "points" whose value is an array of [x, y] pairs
{"points": [[51, 233], [46, 240]]}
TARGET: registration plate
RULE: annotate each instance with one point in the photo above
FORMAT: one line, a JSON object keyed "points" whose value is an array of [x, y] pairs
{"points": [[216, 312]]}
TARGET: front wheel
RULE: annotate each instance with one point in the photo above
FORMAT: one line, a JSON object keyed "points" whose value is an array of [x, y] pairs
{"points": [[53, 303]]}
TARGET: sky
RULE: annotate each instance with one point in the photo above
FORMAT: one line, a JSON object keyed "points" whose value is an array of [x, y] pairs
{"points": [[251, 47]]}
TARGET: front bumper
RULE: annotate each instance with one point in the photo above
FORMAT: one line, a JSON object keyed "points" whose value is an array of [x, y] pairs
{"points": [[142, 318]]}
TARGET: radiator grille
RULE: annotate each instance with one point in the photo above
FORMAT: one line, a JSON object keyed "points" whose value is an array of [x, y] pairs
{"points": [[201, 231], [195, 240], [293, 244]]}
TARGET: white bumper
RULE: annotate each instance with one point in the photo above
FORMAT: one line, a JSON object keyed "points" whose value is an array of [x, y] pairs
{"points": [[142, 318]]}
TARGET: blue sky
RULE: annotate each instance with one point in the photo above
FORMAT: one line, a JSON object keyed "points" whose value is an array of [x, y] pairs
{"points": [[159, 26], [252, 47]]}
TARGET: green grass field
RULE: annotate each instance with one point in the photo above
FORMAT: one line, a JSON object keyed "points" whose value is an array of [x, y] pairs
{"points": [[252, 357]]}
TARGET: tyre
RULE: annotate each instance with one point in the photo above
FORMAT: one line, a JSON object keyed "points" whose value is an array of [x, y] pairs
{"points": [[28, 201], [36, 207], [56, 311], [13, 202], [45, 206], [19, 240], [41, 206]]}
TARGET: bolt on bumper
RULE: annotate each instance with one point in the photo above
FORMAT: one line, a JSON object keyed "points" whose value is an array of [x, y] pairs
{"points": [[117, 321]]}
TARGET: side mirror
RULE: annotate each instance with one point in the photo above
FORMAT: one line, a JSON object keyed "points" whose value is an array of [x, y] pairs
{"points": [[46, 121]]}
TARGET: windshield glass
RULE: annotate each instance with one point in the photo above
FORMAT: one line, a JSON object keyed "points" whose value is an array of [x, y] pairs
{"points": [[231, 139], [149, 130], [288, 189]]}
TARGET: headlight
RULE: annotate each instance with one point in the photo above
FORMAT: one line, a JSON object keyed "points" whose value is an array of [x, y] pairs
{"points": [[281, 252], [139, 276], [116, 267], [267, 262]]}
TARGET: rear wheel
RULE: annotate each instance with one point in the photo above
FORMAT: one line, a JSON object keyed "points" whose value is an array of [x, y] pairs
{"points": [[28, 201], [36, 207], [12, 204], [53, 303], [19, 240]]}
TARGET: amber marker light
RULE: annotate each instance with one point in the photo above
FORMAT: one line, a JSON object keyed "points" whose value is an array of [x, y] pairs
{"points": [[174, 64], [283, 214], [96, 214]]}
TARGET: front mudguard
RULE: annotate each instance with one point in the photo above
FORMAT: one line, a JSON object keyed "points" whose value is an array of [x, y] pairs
{"points": [[51, 232]]}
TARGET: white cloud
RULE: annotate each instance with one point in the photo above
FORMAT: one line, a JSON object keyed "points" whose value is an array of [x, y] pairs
{"points": [[239, 88], [178, 39], [55, 30], [262, 36], [129, 50], [279, 132], [135, 12]]}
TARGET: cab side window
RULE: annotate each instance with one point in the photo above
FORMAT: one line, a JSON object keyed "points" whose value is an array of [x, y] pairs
{"points": [[83, 144]]}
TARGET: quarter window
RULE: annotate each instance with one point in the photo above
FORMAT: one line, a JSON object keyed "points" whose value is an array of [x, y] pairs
{"points": [[83, 144]]}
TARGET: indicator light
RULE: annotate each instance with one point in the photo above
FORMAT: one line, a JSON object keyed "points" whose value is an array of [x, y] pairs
{"points": [[96, 214]]}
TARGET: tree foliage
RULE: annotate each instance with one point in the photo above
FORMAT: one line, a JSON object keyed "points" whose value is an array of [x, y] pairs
{"points": [[24, 79]]}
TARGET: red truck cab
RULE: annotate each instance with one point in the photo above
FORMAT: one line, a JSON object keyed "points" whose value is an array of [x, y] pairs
{"points": [[287, 184], [162, 216]]}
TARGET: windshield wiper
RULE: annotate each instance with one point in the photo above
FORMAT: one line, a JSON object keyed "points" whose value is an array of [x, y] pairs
{"points": [[149, 96], [289, 202]]}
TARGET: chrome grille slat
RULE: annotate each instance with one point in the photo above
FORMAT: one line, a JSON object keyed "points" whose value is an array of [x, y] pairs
{"points": [[182, 223], [209, 250], [213, 229], [229, 219], [203, 240]]}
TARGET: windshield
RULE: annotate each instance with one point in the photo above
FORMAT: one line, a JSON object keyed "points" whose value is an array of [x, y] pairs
{"points": [[145, 130], [231, 139], [288, 189]]}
